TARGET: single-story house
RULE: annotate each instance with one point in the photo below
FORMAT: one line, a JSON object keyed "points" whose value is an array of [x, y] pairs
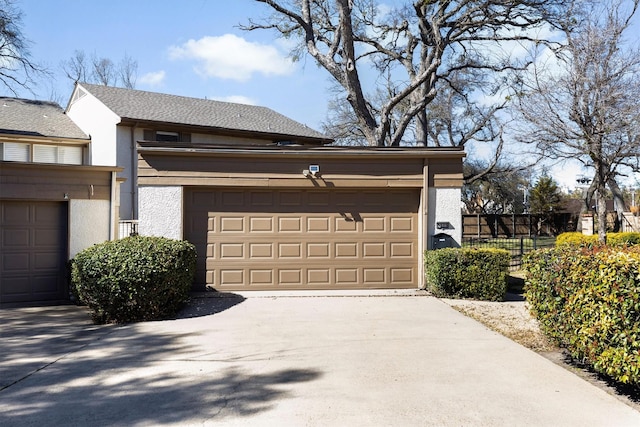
{"points": [[53, 202]]}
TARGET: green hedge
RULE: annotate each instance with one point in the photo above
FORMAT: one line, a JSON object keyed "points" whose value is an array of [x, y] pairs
{"points": [[467, 273], [587, 299], [613, 239], [133, 279]]}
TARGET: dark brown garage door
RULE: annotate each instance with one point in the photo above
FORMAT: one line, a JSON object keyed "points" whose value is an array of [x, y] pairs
{"points": [[304, 239], [33, 244]]}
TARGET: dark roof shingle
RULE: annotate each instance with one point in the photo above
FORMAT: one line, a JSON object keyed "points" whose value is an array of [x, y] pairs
{"points": [[158, 107], [36, 118]]}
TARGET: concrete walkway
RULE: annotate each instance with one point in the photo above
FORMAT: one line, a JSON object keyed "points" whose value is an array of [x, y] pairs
{"points": [[286, 361]]}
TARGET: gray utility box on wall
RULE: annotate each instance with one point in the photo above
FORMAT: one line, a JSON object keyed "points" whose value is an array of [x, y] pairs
{"points": [[442, 240]]}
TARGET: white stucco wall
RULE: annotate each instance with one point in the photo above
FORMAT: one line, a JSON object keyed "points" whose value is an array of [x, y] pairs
{"points": [[99, 122], [88, 224], [444, 206], [160, 211]]}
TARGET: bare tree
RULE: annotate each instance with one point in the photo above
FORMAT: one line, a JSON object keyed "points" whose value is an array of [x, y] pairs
{"points": [[586, 107], [77, 68], [422, 45], [500, 192], [128, 72], [101, 70], [16, 68], [104, 71]]}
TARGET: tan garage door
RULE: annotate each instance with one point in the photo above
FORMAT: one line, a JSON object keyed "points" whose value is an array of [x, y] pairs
{"points": [[304, 239], [33, 245]]}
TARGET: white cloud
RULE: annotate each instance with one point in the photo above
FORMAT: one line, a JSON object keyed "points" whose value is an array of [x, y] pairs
{"points": [[232, 57], [153, 78], [238, 99]]}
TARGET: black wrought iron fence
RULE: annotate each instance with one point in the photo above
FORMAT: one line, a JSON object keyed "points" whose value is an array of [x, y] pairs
{"points": [[517, 247]]}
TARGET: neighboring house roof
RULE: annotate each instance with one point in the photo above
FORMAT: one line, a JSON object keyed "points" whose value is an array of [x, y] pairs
{"points": [[180, 110], [36, 118]]}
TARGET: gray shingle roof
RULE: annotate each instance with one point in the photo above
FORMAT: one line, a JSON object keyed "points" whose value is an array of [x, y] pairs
{"points": [[158, 107], [36, 118]]}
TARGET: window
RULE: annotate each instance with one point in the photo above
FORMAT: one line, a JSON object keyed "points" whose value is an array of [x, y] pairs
{"points": [[166, 136], [68, 155], [41, 153], [15, 152]]}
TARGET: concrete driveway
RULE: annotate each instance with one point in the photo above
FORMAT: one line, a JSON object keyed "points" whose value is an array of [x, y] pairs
{"points": [[286, 361]]}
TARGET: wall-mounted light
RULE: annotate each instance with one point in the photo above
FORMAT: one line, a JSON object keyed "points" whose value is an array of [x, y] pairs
{"points": [[313, 171], [66, 196]]}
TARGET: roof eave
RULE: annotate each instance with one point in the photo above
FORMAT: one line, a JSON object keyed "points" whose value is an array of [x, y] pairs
{"points": [[321, 151], [131, 121]]}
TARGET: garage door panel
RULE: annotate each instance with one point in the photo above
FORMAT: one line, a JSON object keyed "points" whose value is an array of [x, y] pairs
{"points": [[289, 225], [289, 199], [261, 224], [261, 251], [347, 276], [318, 225], [374, 249], [290, 277], [374, 224], [319, 276], [261, 277], [16, 286], [233, 198], [231, 251], [16, 262], [288, 251], [402, 250], [46, 214], [46, 238], [344, 224], [319, 250], [15, 214], [402, 225], [15, 238], [374, 275], [231, 277], [262, 199], [308, 239], [346, 250], [402, 275], [231, 224]]}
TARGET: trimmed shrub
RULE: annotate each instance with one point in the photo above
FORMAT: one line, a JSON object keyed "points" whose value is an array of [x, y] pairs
{"points": [[614, 239], [587, 299], [134, 279], [575, 238], [623, 239], [467, 273]]}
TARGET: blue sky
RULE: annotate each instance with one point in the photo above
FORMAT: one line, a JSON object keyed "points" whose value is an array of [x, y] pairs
{"points": [[188, 47]]}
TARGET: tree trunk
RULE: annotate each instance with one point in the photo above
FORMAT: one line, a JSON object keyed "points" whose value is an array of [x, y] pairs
{"points": [[602, 217]]}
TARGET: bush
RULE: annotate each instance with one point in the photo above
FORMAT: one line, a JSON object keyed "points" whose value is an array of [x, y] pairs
{"points": [[623, 239], [467, 273], [575, 238], [133, 279], [613, 239], [588, 300]]}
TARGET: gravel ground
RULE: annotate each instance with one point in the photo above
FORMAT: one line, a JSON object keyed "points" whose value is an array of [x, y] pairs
{"points": [[512, 319]]}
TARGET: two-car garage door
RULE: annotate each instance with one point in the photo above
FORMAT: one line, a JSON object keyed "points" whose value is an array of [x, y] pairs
{"points": [[303, 239], [33, 245]]}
